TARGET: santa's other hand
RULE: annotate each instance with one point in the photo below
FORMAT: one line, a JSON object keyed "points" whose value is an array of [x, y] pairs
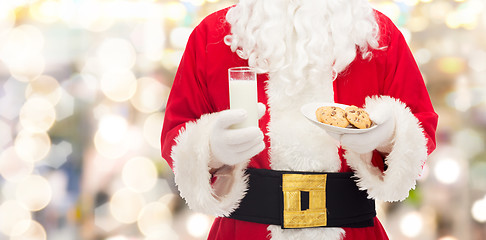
{"points": [[379, 138]]}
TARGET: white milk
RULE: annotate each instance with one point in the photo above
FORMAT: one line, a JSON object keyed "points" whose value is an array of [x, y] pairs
{"points": [[243, 94]]}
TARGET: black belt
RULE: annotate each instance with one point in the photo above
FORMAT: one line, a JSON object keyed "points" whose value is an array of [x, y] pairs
{"points": [[305, 199]]}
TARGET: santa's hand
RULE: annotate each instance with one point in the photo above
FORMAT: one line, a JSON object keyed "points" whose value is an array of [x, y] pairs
{"points": [[379, 138], [233, 146]]}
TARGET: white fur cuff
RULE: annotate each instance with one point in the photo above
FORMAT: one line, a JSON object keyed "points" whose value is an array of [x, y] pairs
{"points": [[405, 161], [191, 155]]}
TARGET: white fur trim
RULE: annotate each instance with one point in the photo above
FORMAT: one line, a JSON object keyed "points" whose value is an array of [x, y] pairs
{"points": [[296, 143], [278, 233], [405, 161], [191, 156]]}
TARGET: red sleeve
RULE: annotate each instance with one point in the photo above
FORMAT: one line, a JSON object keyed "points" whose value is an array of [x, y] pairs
{"points": [[188, 98], [403, 80]]}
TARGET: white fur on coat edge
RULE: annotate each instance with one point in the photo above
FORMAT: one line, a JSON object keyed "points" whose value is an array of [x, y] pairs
{"points": [[191, 156], [277, 233], [405, 161]]}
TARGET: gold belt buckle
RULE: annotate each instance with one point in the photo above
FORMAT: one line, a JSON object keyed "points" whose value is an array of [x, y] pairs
{"points": [[294, 186]]}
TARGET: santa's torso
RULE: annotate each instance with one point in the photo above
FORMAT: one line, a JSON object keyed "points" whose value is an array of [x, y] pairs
{"points": [[292, 142]]}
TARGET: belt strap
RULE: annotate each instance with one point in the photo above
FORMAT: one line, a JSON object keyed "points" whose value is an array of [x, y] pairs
{"points": [[339, 204]]}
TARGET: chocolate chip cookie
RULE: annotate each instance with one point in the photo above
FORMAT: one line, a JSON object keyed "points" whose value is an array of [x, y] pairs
{"points": [[333, 116], [358, 117]]}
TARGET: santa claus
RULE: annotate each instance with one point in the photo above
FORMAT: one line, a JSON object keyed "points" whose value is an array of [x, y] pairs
{"points": [[335, 51]]}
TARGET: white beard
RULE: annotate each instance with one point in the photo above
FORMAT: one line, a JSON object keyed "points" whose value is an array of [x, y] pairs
{"points": [[300, 41]]}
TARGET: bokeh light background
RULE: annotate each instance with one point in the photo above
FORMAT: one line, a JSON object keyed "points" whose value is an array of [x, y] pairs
{"points": [[83, 86]]}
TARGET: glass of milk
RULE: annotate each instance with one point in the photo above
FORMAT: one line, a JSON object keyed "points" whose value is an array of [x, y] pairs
{"points": [[243, 94]]}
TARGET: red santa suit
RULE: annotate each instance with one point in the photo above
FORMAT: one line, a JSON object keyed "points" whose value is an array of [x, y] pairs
{"points": [[200, 91]]}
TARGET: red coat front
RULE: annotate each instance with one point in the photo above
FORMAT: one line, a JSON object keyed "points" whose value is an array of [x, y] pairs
{"points": [[200, 91]]}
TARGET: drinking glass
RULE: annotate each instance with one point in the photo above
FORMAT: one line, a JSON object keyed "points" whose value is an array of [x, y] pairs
{"points": [[243, 94]]}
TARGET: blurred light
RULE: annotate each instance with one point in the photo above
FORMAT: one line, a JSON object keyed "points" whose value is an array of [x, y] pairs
{"points": [[68, 11], [131, 141], [83, 86], [438, 10], [447, 170], [169, 199], [7, 20], [477, 60], [179, 37], [139, 174], [390, 9], [32, 147], [47, 11], [21, 52], [112, 128], [65, 107], [470, 141], [118, 238], [11, 102], [26, 69], [45, 87], [34, 231], [451, 65], [108, 149], [152, 128], [21, 43], [448, 238], [171, 58], [13, 218], [125, 205], [134, 139], [454, 20], [466, 15], [168, 234], [198, 225], [150, 39], [103, 219], [478, 210], [116, 53], [93, 17], [422, 56], [6, 136], [17, 3], [411, 224], [463, 99], [58, 180], [194, 2], [8, 189], [37, 115], [418, 23], [59, 154], [150, 96], [12, 167], [105, 13], [175, 11], [410, 2], [34, 192], [477, 176], [154, 219], [119, 85]]}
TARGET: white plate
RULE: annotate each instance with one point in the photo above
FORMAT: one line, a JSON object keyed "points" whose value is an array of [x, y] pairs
{"points": [[309, 111]]}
